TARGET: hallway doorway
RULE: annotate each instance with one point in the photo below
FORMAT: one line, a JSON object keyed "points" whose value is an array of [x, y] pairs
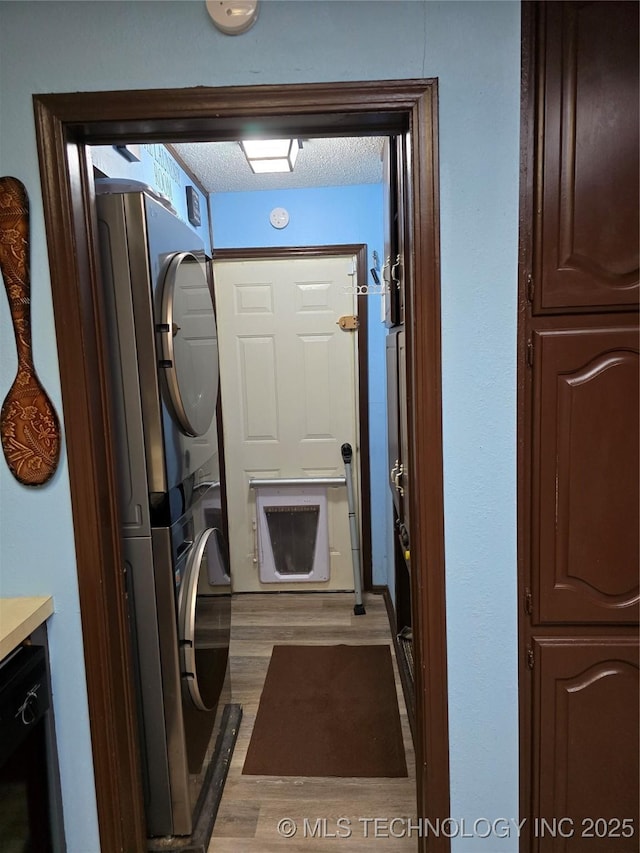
{"points": [[65, 124]]}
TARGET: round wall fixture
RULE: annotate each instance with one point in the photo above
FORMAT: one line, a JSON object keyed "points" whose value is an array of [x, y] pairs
{"points": [[233, 16], [279, 217]]}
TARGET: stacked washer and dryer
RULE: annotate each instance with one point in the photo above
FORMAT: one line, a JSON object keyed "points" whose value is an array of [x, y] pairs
{"points": [[164, 374]]}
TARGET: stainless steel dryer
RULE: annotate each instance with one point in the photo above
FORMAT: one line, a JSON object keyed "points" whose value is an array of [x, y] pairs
{"points": [[164, 388]]}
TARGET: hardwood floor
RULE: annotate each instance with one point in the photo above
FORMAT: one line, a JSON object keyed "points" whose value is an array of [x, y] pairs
{"points": [[327, 812]]}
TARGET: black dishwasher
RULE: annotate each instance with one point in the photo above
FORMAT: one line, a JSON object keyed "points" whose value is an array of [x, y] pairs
{"points": [[25, 825]]}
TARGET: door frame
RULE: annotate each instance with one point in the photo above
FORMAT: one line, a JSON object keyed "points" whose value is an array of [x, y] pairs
{"points": [[272, 253], [65, 124]]}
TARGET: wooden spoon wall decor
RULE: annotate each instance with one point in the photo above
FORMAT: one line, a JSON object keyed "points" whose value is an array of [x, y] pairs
{"points": [[29, 426]]}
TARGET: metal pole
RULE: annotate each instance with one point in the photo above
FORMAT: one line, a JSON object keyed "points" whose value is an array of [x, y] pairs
{"points": [[347, 455], [256, 482]]}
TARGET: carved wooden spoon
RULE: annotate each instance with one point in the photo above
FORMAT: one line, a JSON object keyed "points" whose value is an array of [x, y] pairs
{"points": [[29, 426]]}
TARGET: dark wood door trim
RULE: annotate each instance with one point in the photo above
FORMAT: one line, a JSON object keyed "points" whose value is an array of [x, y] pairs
{"points": [[360, 251], [65, 123], [86, 409], [422, 319]]}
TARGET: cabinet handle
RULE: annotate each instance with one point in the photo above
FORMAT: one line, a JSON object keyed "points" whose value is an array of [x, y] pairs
{"points": [[386, 270], [394, 272]]}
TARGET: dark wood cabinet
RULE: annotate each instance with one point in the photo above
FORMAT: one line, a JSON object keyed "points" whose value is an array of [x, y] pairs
{"points": [[396, 269], [393, 181], [585, 740], [579, 431], [393, 416], [398, 480], [398, 432], [401, 477], [587, 169], [585, 560]]}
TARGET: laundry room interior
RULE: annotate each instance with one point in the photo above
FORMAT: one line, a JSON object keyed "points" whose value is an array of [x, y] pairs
{"points": [[234, 216], [305, 495]]}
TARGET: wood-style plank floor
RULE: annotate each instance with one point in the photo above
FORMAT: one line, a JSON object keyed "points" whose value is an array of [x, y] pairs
{"points": [[252, 806]]}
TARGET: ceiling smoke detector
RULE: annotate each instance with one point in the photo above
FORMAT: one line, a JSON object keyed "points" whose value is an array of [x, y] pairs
{"points": [[233, 16]]}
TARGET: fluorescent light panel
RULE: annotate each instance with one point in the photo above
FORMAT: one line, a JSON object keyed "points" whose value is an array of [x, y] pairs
{"points": [[270, 155]]}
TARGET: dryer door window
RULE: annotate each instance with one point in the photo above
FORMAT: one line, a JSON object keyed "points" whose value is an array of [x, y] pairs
{"points": [[204, 606], [189, 344]]}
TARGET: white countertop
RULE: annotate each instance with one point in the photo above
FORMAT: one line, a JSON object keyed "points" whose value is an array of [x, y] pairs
{"points": [[19, 617]]}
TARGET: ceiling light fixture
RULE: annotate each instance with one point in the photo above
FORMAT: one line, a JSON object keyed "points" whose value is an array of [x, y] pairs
{"points": [[271, 155]]}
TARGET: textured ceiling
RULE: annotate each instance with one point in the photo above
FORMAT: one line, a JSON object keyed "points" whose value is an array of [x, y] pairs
{"points": [[222, 167]]}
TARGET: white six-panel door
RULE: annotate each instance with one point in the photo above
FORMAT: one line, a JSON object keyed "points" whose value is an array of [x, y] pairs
{"points": [[289, 387]]}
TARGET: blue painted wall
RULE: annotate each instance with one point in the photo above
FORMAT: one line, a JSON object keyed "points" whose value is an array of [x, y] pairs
{"points": [[157, 168], [473, 48], [318, 217]]}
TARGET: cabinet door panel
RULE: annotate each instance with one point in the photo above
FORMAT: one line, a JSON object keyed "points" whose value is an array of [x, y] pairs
{"points": [[393, 226], [397, 426], [586, 724], [403, 402], [393, 415], [585, 500], [587, 239]]}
